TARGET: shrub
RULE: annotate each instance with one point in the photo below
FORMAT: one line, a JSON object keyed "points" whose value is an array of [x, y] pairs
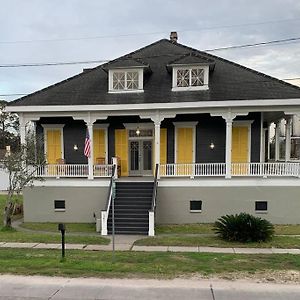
{"points": [[243, 228]]}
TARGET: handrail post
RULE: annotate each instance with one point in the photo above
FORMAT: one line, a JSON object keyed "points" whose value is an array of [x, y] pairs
{"points": [[151, 222], [115, 163], [104, 213]]}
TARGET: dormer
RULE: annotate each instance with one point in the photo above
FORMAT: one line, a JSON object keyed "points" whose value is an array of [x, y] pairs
{"points": [[190, 72], [126, 75]]}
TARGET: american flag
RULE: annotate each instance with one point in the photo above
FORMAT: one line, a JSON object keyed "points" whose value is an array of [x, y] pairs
{"points": [[87, 145]]}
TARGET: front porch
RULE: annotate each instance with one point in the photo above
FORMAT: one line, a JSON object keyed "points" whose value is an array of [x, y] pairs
{"points": [[183, 145]]}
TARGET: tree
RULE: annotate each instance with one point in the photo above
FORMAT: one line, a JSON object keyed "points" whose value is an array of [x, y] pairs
{"points": [[9, 128], [22, 165]]}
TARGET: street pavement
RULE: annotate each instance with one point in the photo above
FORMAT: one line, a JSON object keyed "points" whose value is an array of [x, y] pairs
{"points": [[57, 288]]}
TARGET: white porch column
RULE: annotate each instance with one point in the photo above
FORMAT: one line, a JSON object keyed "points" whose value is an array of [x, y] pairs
{"points": [[157, 141], [288, 139], [277, 144], [228, 147], [91, 158]]}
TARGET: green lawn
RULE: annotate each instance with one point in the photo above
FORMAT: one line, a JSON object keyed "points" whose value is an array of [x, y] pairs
{"points": [[18, 236], [137, 264], [208, 229], [70, 227], [214, 241]]}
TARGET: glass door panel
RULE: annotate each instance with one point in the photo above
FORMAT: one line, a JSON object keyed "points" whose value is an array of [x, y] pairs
{"points": [[147, 155]]}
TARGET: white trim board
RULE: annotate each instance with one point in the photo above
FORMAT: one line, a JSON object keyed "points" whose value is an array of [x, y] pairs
{"points": [[232, 182], [284, 103], [80, 182]]}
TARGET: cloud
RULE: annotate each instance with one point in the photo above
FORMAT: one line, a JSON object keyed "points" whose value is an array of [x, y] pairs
{"points": [[56, 19]]}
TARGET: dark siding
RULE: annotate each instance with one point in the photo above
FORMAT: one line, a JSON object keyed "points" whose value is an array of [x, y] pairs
{"points": [[111, 143], [74, 133], [170, 144], [255, 138], [210, 130]]}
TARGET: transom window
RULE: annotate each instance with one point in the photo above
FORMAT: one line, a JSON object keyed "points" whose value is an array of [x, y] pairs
{"points": [[141, 133], [190, 77], [125, 80]]}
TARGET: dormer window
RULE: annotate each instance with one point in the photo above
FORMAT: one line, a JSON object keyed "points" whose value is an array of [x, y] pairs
{"points": [[129, 80], [190, 78]]}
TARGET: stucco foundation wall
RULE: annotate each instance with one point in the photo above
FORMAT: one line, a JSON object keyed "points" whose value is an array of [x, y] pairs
{"points": [[173, 203], [81, 203]]}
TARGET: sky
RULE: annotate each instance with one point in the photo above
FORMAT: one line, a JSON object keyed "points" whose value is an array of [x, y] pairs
{"points": [[43, 31]]}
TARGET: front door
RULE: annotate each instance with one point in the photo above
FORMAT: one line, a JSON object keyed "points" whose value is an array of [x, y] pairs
{"points": [[140, 157]]}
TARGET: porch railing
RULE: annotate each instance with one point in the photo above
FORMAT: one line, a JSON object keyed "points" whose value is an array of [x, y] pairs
{"points": [[73, 170], [237, 169], [190, 170]]}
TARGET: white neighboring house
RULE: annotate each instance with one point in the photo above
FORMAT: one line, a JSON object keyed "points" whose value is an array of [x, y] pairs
{"points": [[3, 179]]}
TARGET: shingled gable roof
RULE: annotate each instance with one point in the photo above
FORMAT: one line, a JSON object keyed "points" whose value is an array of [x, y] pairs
{"points": [[125, 62], [229, 81], [191, 59]]}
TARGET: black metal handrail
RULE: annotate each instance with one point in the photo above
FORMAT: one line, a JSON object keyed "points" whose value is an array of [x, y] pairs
{"points": [[153, 204], [110, 189]]}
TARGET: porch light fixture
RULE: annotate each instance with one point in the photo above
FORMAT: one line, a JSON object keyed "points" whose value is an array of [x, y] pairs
{"points": [[137, 132], [75, 147], [212, 146]]}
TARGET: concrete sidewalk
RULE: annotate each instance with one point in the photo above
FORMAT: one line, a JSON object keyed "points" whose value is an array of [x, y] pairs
{"points": [[129, 247]]}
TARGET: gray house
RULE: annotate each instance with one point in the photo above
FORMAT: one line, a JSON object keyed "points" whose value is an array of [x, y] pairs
{"points": [[194, 125]]}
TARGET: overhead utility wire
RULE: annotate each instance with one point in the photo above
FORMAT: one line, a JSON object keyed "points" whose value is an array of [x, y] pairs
{"points": [[274, 42], [150, 33]]}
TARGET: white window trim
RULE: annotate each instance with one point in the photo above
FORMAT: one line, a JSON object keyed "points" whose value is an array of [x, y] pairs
{"points": [[245, 123], [175, 88], [140, 84], [185, 125], [53, 127], [105, 127]]}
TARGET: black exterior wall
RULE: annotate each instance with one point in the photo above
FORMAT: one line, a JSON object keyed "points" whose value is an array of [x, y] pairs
{"points": [[208, 130]]}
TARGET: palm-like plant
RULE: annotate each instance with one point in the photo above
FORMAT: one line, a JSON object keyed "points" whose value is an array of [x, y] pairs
{"points": [[244, 228]]}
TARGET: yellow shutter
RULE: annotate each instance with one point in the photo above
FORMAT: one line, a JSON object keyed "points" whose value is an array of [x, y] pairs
{"points": [[99, 146], [121, 149], [54, 147], [240, 145], [163, 145], [184, 145]]}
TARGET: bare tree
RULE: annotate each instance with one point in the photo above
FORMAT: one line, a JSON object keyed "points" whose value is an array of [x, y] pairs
{"points": [[21, 165]]}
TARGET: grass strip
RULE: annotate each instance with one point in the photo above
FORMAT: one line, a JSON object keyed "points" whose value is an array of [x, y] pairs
{"points": [[138, 264], [199, 228], [214, 241], [52, 227], [25, 237]]}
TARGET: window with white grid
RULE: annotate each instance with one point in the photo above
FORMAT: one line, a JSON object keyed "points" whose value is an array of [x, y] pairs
{"points": [[190, 78], [125, 80]]}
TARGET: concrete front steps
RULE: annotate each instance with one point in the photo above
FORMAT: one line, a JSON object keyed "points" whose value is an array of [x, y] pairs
{"points": [[132, 204]]}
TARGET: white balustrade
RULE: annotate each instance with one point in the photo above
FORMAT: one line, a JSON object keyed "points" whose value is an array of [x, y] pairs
{"points": [[237, 169], [73, 170]]}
